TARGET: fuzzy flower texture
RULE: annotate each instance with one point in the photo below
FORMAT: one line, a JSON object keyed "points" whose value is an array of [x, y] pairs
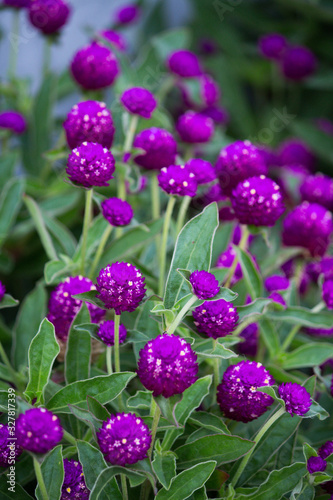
{"points": [[117, 212], [177, 180], [50, 16], [38, 430], [74, 485], [90, 165], [13, 121], [296, 398], [139, 101], [9, 449], [204, 284], [159, 148], [215, 319], [106, 332]]}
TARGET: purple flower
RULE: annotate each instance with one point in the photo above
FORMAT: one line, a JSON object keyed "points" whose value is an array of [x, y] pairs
{"points": [[13, 121], [17, 4], [2, 291], [226, 259], [272, 45], [159, 147], [194, 127], [320, 332], [237, 162], [204, 284], [94, 66], [127, 14], [328, 293], [277, 297], [318, 189], [48, 16], [209, 90], [38, 430], [89, 121], [215, 319], [115, 39], [257, 201], [106, 332], [177, 180], [139, 101], [326, 449], [90, 164], [296, 398], [298, 63], [121, 287], [237, 394], [167, 365], [316, 464], [213, 194], [117, 212], [310, 226], [275, 282], [63, 307], [184, 64], [226, 214], [296, 152], [124, 439], [203, 170], [74, 485], [249, 347], [218, 114], [9, 449]]}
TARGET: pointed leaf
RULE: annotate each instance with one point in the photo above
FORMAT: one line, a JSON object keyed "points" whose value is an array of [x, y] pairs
{"points": [[77, 361], [251, 275], [192, 398], [53, 474]]}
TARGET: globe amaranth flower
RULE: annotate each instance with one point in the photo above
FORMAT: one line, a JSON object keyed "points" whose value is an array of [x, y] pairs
{"points": [[194, 127], [298, 63], [63, 307], [117, 212], [13, 121], [38, 430], [94, 67], [17, 4], [9, 449], [90, 164], [326, 449], [296, 398], [48, 16], [106, 333], [204, 284], [121, 287], [237, 394], [74, 485], [209, 90], [184, 63], [226, 259], [249, 347], [203, 170], [114, 38], [277, 297], [218, 114], [276, 282], [296, 152], [226, 214], [257, 201], [159, 147], [320, 332], [2, 291], [316, 464], [308, 225], [177, 180], [272, 45], [215, 319], [328, 293], [139, 101], [124, 439], [237, 162], [318, 189], [89, 121], [127, 14], [167, 365]]}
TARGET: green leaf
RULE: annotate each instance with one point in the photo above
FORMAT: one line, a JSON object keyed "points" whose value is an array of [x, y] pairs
{"points": [[311, 354], [199, 494], [171, 40], [107, 476], [209, 421], [7, 166], [251, 275], [254, 309], [8, 301], [86, 417], [211, 348], [142, 399], [269, 336], [97, 409], [43, 350], [77, 361], [9, 492], [164, 466], [317, 140], [316, 411], [302, 316], [53, 474], [37, 217], [192, 398], [56, 270], [308, 451], [303, 491], [10, 203]]}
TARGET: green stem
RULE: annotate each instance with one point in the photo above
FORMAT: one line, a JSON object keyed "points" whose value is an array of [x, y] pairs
{"points": [[109, 359], [258, 437], [15, 375], [14, 44], [182, 213], [40, 479], [47, 55], [293, 332], [116, 343], [216, 364], [242, 246], [163, 249], [181, 314], [155, 197], [99, 251], [156, 419], [86, 223], [71, 439], [130, 133], [124, 486]]}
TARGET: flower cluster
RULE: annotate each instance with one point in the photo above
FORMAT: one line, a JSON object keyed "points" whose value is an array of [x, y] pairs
{"points": [[106, 332], [117, 212], [74, 485], [38, 430], [90, 164], [215, 319], [177, 180]]}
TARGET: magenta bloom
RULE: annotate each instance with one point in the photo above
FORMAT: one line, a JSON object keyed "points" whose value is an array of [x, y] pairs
{"points": [[127, 14], [48, 16], [326, 449], [272, 45], [204, 284], [90, 165], [139, 101], [2, 291], [219, 115], [209, 90], [237, 162], [9, 449], [13, 121], [17, 4], [310, 226], [167, 365], [318, 189], [296, 152], [94, 67], [226, 259], [237, 394], [316, 464], [203, 170], [296, 398], [106, 332], [194, 127], [121, 287], [249, 347], [328, 293], [159, 147], [89, 121], [320, 332], [117, 212], [124, 439], [114, 38], [298, 63], [184, 63], [177, 180], [38, 430], [215, 319], [74, 485], [275, 282]]}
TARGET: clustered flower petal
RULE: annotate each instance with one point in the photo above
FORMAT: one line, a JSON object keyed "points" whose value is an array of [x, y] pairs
{"points": [[13, 121], [50, 16], [272, 45], [209, 90], [115, 39], [124, 439], [203, 170], [159, 147], [177, 180], [38, 430], [194, 127], [215, 319], [296, 398], [277, 297], [127, 15], [74, 485], [167, 365], [276, 282], [90, 164], [106, 332], [326, 449], [318, 189], [249, 347], [316, 464], [2, 291], [9, 449], [296, 152], [226, 259], [117, 212], [328, 293], [298, 63], [17, 4], [237, 394], [139, 101], [204, 284], [184, 63]]}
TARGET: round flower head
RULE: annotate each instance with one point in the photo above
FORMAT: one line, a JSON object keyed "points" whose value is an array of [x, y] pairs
{"points": [[90, 165], [106, 332], [226, 214], [257, 201], [74, 485], [209, 90], [139, 101], [184, 63], [318, 189], [94, 67], [277, 297], [226, 259], [237, 162], [203, 170], [89, 121], [167, 365], [204, 284], [310, 226], [13, 121], [124, 439], [38, 430], [63, 307], [115, 39], [194, 127], [272, 45], [237, 394], [17, 4], [2, 291], [9, 449], [326, 449], [127, 14], [296, 152], [296, 398], [316, 464], [117, 212], [216, 319], [48, 16], [121, 287], [177, 180], [328, 293], [298, 63], [159, 147], [249, 347], [218, 114], [275, 282]]}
